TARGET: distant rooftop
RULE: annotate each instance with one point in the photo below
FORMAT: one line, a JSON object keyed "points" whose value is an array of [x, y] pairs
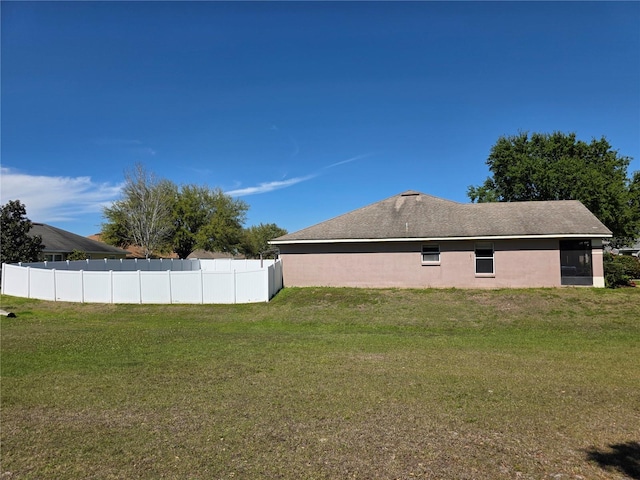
{"points": [[57, 240]]}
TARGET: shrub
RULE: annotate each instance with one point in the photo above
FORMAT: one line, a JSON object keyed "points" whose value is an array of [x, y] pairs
{"points": [[619, 270], [77, 255]]}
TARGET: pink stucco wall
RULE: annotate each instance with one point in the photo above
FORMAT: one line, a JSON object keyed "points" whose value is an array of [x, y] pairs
{"points": [[517, 263]]}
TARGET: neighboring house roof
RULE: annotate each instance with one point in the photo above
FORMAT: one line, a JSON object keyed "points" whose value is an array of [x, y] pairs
{"points": [[631, 249], [56, 240], [133, 251], [413, 215]]}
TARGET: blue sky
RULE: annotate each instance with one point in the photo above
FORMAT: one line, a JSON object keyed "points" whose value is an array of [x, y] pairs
{"points": [[305, 110]]}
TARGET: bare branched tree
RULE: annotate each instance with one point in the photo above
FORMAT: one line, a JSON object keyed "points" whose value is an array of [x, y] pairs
{"points": [[144, 214]]}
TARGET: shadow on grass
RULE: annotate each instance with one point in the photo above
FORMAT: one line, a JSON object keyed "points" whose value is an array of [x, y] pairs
{"points": [[623, 457]]}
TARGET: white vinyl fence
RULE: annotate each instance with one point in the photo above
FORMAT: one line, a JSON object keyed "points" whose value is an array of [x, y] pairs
{"points": [[145, 281]]}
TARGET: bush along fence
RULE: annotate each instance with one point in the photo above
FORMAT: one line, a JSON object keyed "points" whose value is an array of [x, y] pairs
{"points": [[145, 281]]}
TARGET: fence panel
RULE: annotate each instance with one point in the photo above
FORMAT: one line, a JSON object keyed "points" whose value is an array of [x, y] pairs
{"points": [[76, 265], [155, 287], [217, 265], [68, 285], [110, 265], [42, 284], [62, 265], [230, 264], [96, 266], [275, 278], [129, 266], [218, 287], [15, 280], [126, 287], [97, 287], [186, 287], [252, 286]]}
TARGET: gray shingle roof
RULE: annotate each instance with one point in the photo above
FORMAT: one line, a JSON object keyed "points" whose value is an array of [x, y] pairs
{"points": [[416, 215], [60, 241]]}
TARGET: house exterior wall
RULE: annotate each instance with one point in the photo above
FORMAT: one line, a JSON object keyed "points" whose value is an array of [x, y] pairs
{"points": [[517, 263]]}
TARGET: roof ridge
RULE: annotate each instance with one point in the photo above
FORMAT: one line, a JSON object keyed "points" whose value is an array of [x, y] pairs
{"points": [[413, 214]]}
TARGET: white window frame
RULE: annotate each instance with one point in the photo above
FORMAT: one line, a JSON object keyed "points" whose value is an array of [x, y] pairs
{"points": [[430, 249], [484, 246]]}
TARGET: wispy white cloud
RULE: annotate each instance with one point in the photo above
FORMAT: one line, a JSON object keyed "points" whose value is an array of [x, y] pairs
{"points": [[267, 186], [55, 199], [349, 160]]}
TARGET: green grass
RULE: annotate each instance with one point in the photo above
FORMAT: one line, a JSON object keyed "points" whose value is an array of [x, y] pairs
{"points": [[326, 383]]}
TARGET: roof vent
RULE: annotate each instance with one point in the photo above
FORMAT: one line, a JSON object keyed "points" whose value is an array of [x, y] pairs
{"points": [[410, 193]]}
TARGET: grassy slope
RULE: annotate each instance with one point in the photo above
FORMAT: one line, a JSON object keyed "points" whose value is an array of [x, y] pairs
{"points": [[325, 383]]}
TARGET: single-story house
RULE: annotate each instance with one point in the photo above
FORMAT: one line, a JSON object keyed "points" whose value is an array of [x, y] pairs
{"points": [[58, 244], [417, 240]]}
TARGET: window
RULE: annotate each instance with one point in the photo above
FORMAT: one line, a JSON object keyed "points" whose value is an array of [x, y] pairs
{"points": [[575, 262], [484, 259], [53, 257], [431, 254]]}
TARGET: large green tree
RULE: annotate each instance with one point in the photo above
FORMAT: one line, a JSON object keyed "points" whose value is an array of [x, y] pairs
{"points": [[208, 219], [558, 166], [223, 231], [16, 245], [155, 214], [144, 214], [255, 240]]}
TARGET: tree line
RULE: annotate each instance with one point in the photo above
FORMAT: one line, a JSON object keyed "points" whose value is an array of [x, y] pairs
{"points": [[558, 166], [158, 216]]}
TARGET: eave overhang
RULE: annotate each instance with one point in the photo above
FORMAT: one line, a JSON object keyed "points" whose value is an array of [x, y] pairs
{"points": [[439, 239]]}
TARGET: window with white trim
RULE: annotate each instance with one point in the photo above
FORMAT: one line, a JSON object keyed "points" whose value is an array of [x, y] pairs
{"points": [[484, 259], [431, 254]]}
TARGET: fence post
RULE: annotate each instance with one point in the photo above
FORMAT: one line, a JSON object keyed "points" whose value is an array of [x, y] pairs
{"points": [[111, 284], [170, 297], [55, 288], [82, 285], [139, 286], [201, 286]]}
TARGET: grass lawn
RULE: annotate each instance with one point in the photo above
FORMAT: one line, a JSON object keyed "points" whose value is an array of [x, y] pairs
{"points": [[326, 383]]}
